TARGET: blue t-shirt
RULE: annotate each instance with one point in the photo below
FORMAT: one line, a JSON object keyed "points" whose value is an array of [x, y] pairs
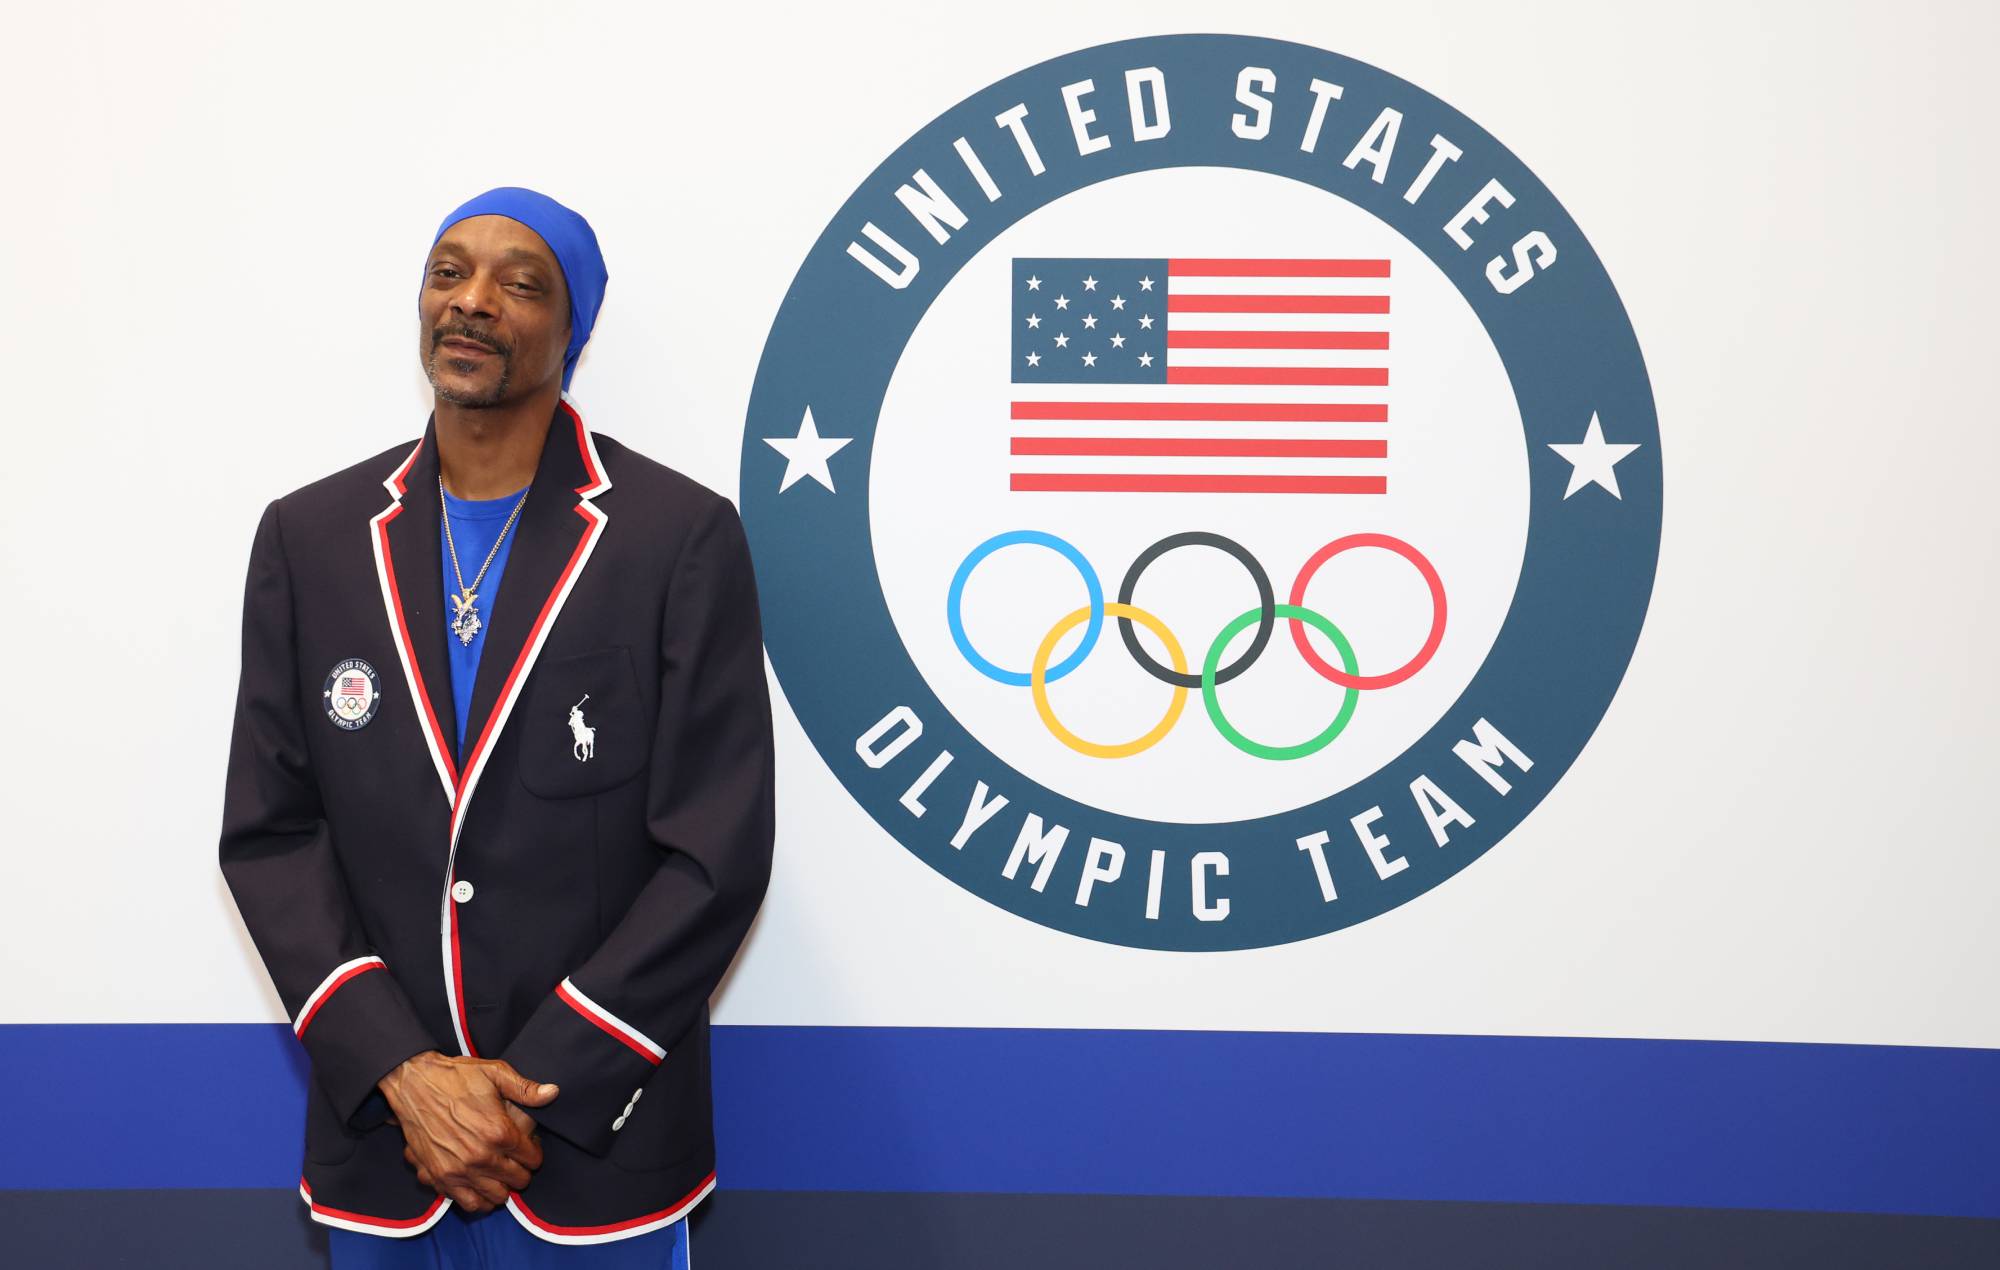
{"points": [[475, 523]]}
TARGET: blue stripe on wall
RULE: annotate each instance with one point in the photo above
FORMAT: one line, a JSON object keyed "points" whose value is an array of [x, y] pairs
{"points": [[1539, 1120]]}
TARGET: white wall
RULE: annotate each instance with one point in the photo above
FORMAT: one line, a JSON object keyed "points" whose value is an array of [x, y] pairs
{"points": [[211, 241]]}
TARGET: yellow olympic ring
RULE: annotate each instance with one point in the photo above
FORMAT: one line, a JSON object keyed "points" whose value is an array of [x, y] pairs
{"points": [[1039, 683]]}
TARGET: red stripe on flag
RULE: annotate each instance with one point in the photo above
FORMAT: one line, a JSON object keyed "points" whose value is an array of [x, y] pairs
{"points": [[1206, 411], [1278, 339], [1365, 376], [1209, 267], [1252, 447], [1277, 304], [1167, 483]]}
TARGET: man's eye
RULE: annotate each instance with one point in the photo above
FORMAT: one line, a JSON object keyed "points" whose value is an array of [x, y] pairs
{"points": [[444, 271]]}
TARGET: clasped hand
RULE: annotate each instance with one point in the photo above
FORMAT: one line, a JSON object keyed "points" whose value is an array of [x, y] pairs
{"points": [[464, 1130]]}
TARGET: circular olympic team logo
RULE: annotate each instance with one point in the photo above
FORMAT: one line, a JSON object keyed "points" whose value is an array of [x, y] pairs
{"points": [[1205, 492], [352, 692]]}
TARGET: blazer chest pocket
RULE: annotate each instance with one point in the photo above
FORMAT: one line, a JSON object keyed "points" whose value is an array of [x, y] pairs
{"points": [[583, 730]]}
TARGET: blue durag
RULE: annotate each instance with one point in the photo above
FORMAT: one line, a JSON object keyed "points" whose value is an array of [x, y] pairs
{"points": [[568, 235]]}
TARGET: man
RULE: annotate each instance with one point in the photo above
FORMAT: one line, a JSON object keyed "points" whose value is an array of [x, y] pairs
{"points": [[499, 804]]}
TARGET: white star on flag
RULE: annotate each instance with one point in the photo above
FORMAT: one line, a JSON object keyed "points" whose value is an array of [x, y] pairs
{"points": [[1592, 459], [807, 453]]}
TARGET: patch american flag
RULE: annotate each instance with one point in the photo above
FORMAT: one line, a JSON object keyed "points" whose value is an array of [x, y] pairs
{"points": [[1199, 375], [353, 686]]}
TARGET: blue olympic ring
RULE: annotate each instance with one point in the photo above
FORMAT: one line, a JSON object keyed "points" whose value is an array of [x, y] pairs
{"points": [[1034, 537]]}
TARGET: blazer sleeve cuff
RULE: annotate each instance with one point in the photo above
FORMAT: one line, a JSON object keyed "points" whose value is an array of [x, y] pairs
{"points": [[600, 1061], [356, 1026]]}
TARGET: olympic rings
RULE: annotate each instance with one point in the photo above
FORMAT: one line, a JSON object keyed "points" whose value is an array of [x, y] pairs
{"points": [[1209, 679], [954, 601], [1265, 601], [1124, 613], [1212, 674], [1348, 678]]}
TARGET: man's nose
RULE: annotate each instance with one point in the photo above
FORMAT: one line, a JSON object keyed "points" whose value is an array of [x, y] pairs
{"points": [[477, 297]]}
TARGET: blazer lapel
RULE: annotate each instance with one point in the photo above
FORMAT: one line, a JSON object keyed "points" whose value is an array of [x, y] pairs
{"points": [[405, 535], [558, 529]]}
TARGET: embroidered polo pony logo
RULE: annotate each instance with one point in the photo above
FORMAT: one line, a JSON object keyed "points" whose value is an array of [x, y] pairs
{"points": [[584, 746]]}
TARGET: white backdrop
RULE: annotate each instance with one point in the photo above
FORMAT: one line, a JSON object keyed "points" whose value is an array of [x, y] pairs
{"points": [[1780, 831]]}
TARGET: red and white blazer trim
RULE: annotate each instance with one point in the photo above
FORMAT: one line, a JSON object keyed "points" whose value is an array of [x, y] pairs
{"points": [[616, 1230], [341, 974], [460, 785], [362, 1223], [619, 1029]]}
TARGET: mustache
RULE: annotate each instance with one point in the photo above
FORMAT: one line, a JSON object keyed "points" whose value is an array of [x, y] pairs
{"points": [[461, 331]]}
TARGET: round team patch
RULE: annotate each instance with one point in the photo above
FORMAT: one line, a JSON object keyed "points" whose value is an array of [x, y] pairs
{"points": [[1205, 492], [353, 690]]}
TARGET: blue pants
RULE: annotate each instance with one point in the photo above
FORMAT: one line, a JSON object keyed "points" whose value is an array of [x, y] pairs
{"points": [[495, 1241]]}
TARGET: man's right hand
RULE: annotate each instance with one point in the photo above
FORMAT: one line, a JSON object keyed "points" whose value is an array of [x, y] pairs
{"points": [[462, 1129]]}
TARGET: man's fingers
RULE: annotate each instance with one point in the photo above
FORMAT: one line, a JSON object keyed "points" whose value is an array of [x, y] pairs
{"points": [[515, 1087], [490, 1188], [467, 1198], [528, 1147], [511, 1175]]}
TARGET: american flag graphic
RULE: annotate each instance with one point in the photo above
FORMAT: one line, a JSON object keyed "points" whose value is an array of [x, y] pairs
{"points": [[354, 686], [1200, 375]]}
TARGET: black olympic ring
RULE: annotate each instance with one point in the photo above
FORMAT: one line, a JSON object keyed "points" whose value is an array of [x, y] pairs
{"points": [[1267, 607]]}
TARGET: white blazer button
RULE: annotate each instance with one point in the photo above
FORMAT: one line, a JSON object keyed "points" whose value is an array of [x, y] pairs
{"points": [[461, 890], [636, 1094], [617, 1124]]}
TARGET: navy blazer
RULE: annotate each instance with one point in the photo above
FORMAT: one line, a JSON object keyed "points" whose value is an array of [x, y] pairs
{"points": [[567, 907]]}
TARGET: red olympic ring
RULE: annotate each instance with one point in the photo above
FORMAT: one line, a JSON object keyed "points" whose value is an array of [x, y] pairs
{"points": [[1408, 668]]}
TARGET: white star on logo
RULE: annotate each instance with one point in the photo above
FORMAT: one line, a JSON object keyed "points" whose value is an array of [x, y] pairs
{"points": [[1062, 341], [1034, 359], [1117, 301], [1146, 321], [1090, 284], [1034, 320], [1145, 284], [1090, 359], [1062, 301], [1089, 321], [1118, 341], [806, 454], [1592, 460], [1145, 359], [1034, 284]]}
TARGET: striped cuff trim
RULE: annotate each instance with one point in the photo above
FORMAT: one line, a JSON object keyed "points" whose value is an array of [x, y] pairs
{"points": [[341, 974], [635, 1040]]}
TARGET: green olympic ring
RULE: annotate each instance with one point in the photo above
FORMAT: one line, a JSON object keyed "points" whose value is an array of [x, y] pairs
{"points": [[1258, 749]]}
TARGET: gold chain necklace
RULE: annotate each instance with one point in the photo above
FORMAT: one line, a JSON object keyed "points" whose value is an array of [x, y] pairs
{"points": [[465, 623]]}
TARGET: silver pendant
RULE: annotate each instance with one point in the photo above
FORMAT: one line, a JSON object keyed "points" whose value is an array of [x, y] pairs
{"points": [[465, 623]]}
